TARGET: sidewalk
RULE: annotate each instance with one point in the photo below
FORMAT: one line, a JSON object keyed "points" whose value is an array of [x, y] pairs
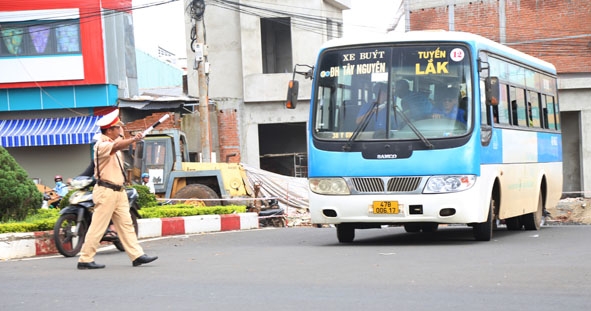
{"points": [[31, 244]]}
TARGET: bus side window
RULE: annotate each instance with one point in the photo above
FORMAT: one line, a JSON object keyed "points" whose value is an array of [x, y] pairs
{"points": [[513, 105], [517, 97], [533, 107], [503, 106], [544, 112], [551, 113]]}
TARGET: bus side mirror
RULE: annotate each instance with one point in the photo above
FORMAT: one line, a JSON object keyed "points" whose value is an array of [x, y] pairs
{"points": [[292, 94], [492, 90]]}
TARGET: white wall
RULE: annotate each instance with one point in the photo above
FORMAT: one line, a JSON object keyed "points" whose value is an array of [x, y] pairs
{"points": [[46, 162], [236, 80]]}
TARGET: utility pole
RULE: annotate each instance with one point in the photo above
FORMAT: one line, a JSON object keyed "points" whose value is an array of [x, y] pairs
{"points": [[198, 9]]}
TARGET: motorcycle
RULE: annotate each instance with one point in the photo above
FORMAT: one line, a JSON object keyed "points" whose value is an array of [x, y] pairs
{"points": [[70, 229], [50, 198], [272, 215], [268, 210]]}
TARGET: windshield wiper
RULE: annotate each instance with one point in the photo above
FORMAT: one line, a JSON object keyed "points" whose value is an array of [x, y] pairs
{"points": [[361, 126], [413, 128]]}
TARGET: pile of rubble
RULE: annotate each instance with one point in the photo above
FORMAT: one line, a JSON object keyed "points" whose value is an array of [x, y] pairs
{"points": [[570, 211]]}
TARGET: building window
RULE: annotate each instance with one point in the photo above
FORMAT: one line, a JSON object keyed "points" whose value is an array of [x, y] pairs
{"points": [[333, 29], [276, 45], [40, 38]]}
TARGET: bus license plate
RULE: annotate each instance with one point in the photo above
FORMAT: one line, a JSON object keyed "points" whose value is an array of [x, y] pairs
{"points": [[385, 207]]}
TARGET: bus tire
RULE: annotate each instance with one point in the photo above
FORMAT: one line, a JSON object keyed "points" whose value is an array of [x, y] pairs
{"points": [[412, 227], [483, 231], [429, 227], [345, 233], [426, 227], [533, 221], [514, 223]]}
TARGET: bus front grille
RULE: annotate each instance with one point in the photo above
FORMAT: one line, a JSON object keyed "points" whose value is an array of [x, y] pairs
{"points": [[370, 184], [403, 184], [385, 184]]}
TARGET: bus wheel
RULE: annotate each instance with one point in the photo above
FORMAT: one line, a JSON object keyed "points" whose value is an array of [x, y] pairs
{"points": [[429, 227], [483, 231], [514, 223], [412, 228], [421, 226], [533, 221], [345, 233]]}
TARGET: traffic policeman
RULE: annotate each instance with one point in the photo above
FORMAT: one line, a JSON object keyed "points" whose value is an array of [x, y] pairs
{"points": [[109, 195]]}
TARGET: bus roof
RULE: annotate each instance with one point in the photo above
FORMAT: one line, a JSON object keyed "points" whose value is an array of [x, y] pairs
{"points": [[479, 42]]}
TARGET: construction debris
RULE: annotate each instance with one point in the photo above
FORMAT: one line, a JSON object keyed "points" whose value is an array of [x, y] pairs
{"points": [[571, 211]]}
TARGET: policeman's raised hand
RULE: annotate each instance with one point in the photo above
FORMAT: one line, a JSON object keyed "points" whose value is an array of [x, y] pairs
{"points": [[139, 136]]}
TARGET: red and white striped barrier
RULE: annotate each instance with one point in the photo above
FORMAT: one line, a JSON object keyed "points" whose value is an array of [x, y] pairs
{"points": [[31, 244]]}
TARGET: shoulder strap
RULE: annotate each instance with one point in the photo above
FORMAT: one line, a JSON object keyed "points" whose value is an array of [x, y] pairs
{"points": [[121, 167], [98, 171]]}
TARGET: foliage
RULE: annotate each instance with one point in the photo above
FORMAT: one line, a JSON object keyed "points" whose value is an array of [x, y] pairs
{"points": [[179, 210], [19, 195], [41, 220], [146, 199], [66, 199], [44, 219], [43, 214]]}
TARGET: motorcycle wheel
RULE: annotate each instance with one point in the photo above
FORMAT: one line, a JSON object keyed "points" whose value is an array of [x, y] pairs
{"points": [[64, 235], [119, 245], [278, 222], [134, 216]]}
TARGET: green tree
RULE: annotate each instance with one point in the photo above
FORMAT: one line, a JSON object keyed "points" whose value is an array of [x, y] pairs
{"points": [[19, 196]]}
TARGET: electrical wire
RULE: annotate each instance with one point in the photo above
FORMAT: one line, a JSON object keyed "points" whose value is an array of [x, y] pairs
{"points": [[314, 23], [308, 22], [67, 19]]}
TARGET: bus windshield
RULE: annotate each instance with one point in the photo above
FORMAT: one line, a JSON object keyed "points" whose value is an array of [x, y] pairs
{"points": [[393, 93]]}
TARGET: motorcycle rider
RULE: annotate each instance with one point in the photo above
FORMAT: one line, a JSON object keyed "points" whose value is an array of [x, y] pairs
{"points": [[61, 190], [60, 187], [148, 183], [109, 195]]}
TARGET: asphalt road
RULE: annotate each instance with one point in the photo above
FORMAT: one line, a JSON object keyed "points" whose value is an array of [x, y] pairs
{"points": [[307, 269]]}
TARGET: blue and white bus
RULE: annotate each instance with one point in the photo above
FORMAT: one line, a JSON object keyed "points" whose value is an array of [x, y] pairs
{"points": [[469, 133]]}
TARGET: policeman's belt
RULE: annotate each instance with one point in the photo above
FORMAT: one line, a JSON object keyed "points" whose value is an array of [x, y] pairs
{"points": [[109, 185]]}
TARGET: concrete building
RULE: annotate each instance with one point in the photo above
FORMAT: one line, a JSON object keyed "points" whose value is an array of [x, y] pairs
{"points": [[556, 31], [62, 65], [248, 70], [252, 49]]}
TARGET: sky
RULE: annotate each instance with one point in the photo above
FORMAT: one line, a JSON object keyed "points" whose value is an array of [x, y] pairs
{"points": [[163, 25], [160, 25], [370, 16]]}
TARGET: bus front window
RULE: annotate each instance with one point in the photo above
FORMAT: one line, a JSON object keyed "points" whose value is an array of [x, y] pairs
{"points": [[393, 93]]}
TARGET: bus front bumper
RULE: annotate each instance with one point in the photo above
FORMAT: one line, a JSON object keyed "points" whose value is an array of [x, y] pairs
{"points": [[448, 208]]}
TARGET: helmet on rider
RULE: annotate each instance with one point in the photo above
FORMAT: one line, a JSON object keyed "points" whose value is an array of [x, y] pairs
{"points": [[57, 178], [145, 175]]}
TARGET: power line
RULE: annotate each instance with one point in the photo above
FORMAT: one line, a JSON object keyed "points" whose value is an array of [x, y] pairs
{"points": [[68, 19], [311, 23], [308, 22]]}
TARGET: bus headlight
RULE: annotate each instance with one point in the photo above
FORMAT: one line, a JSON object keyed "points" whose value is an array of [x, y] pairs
{"points": [[442, 184], [329, 186]]}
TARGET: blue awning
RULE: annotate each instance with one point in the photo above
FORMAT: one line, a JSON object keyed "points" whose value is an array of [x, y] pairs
{"points": [[48, 132]]}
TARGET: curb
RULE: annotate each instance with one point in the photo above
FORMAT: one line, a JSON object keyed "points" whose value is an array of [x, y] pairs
{"points": [[31, 244]]}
